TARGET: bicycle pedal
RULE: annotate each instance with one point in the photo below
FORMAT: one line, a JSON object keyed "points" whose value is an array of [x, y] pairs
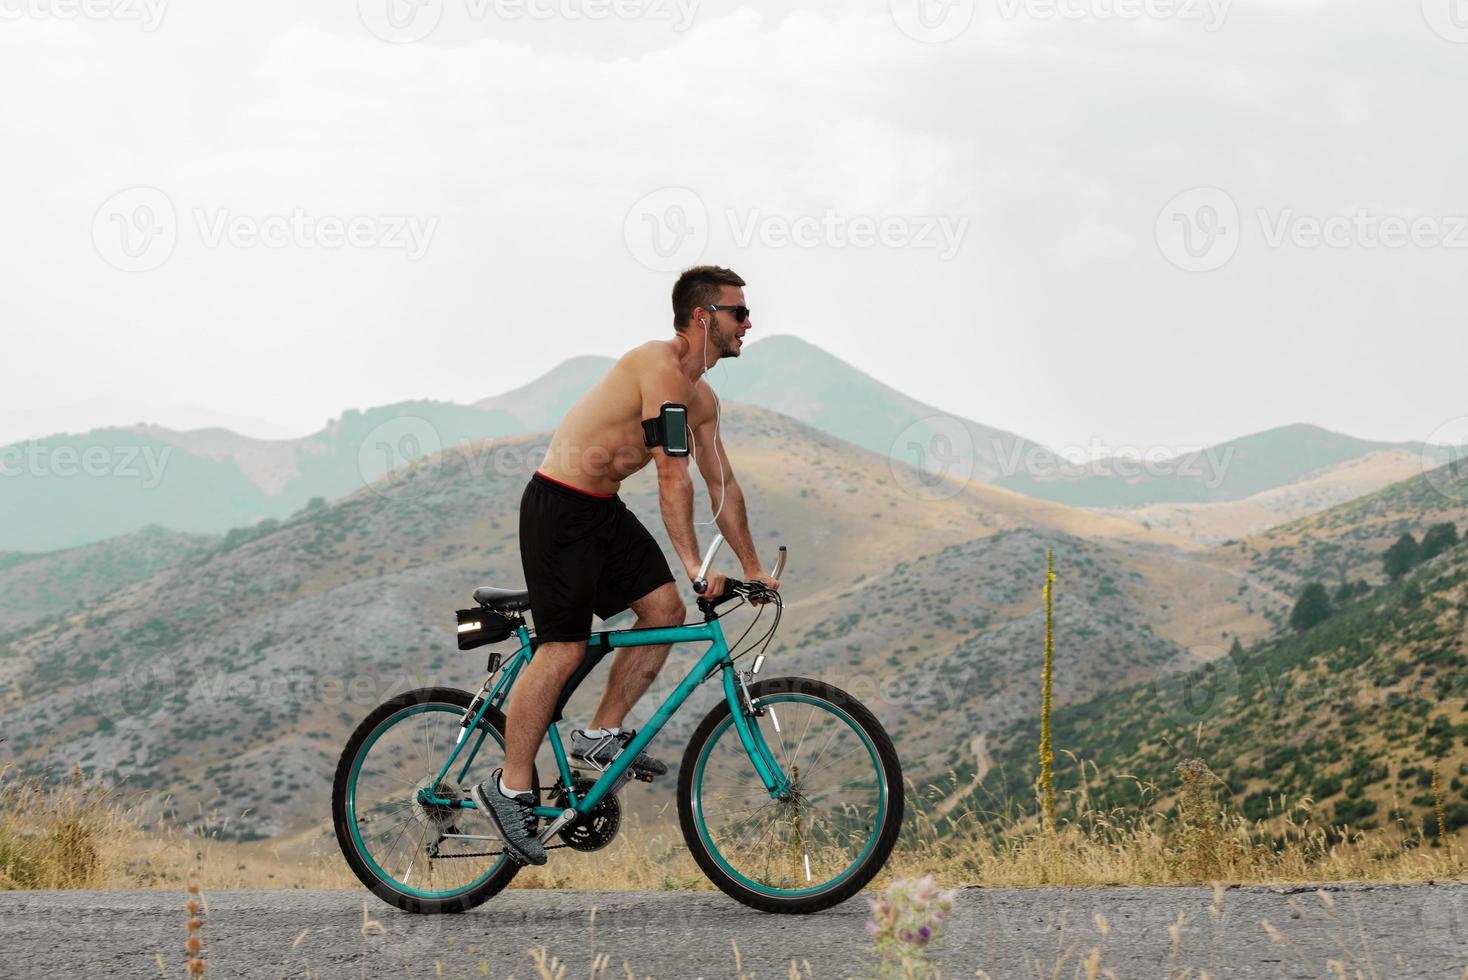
{"points": [[644, 777]]}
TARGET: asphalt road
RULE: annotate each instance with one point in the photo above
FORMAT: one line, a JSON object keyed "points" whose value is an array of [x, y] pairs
{"points": [[1372, 931]]}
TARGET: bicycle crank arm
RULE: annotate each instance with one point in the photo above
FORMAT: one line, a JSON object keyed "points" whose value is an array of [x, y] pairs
{"points": [[567, 815]]}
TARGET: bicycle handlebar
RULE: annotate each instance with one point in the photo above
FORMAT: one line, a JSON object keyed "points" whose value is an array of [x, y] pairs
{"points": [[701, 584], [732, 587]]}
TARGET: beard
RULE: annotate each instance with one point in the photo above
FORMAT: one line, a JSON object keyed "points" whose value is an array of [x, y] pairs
{"points": [[726, 344]]}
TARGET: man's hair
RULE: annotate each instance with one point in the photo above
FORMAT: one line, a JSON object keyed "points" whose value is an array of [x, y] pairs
{"points": [[699, 286]]}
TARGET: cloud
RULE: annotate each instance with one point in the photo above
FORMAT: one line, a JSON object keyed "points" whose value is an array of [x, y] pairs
{"points": [[1057, 141]]}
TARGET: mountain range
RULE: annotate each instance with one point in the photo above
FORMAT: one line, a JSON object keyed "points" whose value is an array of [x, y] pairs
{"points": [[227, 669], [68, 490]]}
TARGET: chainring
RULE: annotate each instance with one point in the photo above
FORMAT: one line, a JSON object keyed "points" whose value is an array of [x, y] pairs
{"points": [[596, 829]]}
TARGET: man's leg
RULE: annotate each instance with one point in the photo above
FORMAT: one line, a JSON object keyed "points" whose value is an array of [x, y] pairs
{"points": [[635, 668], [532, 704]]}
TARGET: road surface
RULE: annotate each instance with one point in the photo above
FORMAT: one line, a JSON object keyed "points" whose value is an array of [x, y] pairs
{"points": [[1381, 931]]}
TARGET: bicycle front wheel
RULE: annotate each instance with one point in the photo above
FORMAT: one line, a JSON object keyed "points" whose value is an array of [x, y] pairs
{"points": [[831, 833]]}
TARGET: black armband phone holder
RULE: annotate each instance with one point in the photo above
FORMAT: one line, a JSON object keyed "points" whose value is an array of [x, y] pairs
{"points": [[668, 430]]}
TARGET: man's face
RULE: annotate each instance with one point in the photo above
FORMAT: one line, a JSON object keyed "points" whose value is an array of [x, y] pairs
{"points": [[726, 335]]}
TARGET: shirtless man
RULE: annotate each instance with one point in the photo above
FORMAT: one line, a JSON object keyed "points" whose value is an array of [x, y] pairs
{"points": [[584, 552]]}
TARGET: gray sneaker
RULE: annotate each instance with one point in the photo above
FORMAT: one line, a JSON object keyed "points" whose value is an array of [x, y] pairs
{"points": [[514, 816], [599, 751]]}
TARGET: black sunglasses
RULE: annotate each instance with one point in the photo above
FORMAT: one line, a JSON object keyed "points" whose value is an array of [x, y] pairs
{"points": [[741, 313]]}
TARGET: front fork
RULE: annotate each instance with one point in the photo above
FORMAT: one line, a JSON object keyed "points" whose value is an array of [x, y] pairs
{"points": [[744, 712]]}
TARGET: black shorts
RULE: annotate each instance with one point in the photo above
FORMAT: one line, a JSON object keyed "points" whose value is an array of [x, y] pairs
{"points": [[583, 554]]}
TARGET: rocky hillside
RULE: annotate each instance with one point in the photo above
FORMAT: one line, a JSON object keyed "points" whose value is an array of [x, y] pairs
{"points": [[1346, 541], [231, 679], [1356, 713], [36, 586]]}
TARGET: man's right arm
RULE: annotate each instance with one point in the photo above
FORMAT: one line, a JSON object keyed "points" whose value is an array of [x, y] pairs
{"points": [[675, 483], [675, 497]]}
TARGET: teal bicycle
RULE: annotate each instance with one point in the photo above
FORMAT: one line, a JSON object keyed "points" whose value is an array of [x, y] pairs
{"points": [[790, 792]]}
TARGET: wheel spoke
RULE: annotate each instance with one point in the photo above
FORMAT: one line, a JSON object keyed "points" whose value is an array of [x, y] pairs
{"points": [[824, 831], [398, 838]]}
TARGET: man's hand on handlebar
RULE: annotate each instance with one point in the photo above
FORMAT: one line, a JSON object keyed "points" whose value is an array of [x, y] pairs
{"points": [[760, 578], [714, 588], [717, 583]]}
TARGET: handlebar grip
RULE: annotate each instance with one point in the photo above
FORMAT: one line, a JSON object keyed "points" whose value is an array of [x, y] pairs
{"points": [[708, 558], [708, 602], [779, 564]]}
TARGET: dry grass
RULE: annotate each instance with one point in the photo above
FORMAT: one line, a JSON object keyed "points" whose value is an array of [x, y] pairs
{"points": [[59, 837], [1192, 840], [77, 835]]}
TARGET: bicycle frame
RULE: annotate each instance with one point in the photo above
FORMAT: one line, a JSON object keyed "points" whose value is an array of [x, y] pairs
{"points": [[716, 658]]}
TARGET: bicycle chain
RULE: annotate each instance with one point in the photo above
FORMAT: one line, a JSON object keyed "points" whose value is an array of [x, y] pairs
{"points": [[490, 854]]}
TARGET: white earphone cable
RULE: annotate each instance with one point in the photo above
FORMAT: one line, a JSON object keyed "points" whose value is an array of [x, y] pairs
{"points": [[718, 420]]}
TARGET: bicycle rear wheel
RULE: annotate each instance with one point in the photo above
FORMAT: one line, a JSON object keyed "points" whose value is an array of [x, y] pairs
{"points": [[837, 828], [420, 856]]}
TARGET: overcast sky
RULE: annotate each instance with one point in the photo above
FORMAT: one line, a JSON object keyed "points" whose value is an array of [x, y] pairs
{"points": [[280, 210]]}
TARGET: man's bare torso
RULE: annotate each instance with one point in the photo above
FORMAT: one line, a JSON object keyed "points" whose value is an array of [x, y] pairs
{"points": [[599, 443]]}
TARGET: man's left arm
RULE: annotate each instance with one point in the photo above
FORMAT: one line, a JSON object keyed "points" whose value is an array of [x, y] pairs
{"points": [[733, 520]]}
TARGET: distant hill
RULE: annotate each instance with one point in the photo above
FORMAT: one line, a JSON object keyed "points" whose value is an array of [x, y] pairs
{"points": [[34, 587], [108, 413], [541, 404], [1228, 471], [1218, 521], [793, 377], [788, 375], [69, 490], [1354, 714]]}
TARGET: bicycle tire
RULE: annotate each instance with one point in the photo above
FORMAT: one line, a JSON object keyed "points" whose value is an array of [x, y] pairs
{"points": [[885, 814], [452, 702]]}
